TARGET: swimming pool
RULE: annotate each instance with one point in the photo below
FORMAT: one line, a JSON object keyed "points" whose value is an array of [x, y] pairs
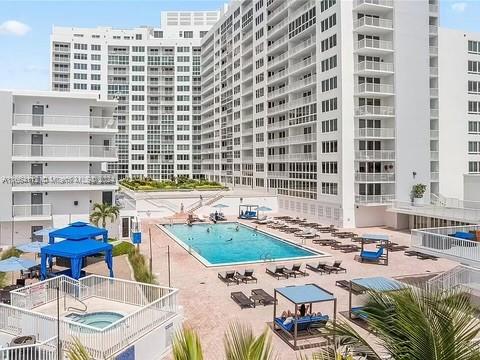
{"points": [[100, 319], [221, 244]]}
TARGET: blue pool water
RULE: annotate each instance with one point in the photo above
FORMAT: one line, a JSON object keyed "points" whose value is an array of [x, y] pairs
{"points": [[222, 244], [100, 319]]}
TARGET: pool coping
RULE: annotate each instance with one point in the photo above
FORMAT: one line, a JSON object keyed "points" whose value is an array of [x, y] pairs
{"points": [[206, 263]]}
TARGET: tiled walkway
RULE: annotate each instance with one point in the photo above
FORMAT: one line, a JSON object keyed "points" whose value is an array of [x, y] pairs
{"points": [[207, 304]]}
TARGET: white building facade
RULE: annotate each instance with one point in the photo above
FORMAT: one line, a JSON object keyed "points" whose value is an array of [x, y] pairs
{"points": [[333, 104], [55, 150], [154, 73], [459, 56]]}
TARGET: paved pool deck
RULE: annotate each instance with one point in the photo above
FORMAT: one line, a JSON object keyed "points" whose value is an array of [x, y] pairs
{"points": [[206, 300]]}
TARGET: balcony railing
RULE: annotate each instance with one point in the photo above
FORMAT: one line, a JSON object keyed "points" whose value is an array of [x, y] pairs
{"points": [[374, 66], [374, 44], [434, 92], [62, 180], [433, 8], [64, 151], [375, 155], [433, 71], [374, 110], [303, 157], [374, 199], [434, 176], [370, 21], [433, 29], [374, 88], [94, 122], [278, 174], [384, 3], [374, 177], [375, 133], [434, 134], [303, 45], [32, 210], [433, 155]]}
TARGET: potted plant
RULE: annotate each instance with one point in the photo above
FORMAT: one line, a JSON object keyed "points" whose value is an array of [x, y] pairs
{"points": [[417, 193]]}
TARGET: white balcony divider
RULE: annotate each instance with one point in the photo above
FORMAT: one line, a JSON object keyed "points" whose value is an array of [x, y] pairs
{"points": [[63, 179], [67, 151], [31, 210], [157, 305], [374, 66], [94, 122]]}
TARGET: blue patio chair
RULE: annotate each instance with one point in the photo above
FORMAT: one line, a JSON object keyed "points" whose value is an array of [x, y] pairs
{"points": [[371, 255]]}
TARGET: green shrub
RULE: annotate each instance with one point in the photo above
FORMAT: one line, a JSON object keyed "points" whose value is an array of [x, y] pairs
{"points": [[141, 272], [182, 182], [122, 248], [5, 255]]}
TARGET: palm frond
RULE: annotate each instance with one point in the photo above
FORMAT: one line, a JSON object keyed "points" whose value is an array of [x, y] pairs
{"points": [[186, 345], [77, 351], [241, 344]]}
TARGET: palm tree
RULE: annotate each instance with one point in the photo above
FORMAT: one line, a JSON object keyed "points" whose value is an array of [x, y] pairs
{"points": [[76, 351], [239, 342], [414, 324], [102, 212]]}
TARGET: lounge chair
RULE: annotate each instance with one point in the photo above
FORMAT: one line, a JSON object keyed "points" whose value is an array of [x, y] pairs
{"points": [[324, 242], [304, 323], [335, 267], [277, 272], [295, 270], [246, 276], [345, 284], [242, 300], [373, 256], [228, 277], [263, 296], [319, 268]]}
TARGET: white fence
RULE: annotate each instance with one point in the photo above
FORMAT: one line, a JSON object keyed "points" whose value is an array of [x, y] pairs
{"points": [[156, 305], [46, 350], [461, 275]]}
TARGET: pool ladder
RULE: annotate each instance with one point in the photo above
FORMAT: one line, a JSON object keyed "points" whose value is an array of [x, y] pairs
{"points": [[70, 308]]}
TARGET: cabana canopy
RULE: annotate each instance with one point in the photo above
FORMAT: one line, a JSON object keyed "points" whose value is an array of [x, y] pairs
{"points": [[375, 284], [246, 211], [380, 255], [76, 251], [78, 231], [302, 327]]}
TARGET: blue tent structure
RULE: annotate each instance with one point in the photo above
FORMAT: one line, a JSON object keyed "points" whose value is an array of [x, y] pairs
{"points": [[76, 251], [78, 231]]}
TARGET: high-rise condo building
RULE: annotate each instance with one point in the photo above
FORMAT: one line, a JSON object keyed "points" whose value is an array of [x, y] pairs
{"points": [[332, 103], [154, 74], [55, 147]]}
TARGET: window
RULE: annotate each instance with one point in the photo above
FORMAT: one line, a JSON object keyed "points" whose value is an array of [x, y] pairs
{"points": [[78, 56], [473, 47], [138, 36], [474, 87], [78, 46], [473, 67], [302, 23], [329, 125], [329, 146], [158, 34], [326, 4], [78, 76], [78, 66], [329, 43], [95, 67], [188, 34], [328, 22], [95, 47], [329, 188], [329, 105], [329, 167], [474, 167], [329, 84], [80, 86], [329, 63], [474, 127], [474, 107]]}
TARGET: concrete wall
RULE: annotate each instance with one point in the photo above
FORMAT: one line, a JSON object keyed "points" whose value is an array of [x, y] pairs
{"points": [[412, 100]]}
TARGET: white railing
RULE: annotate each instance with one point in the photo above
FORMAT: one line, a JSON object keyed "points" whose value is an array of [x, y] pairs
{"points": [[374, 44], [31, 210], [374, 88], [433, 29], [433, 50], [434, 92], [387, 3], [374, 199], [278, 59], [277, 26], [375, 133], [434, 176], [54, 180], [460, 276], [67, 151], [277, 43], [434, 112], [375, 177], [303, 64], [277, 92], [278, 75], [434, 155], [441, 212], [301, 10], [370, 21], [375, 110], [156, 306], [375, 154], [438, 242], [433, 70], [303, 157], [278, 174], [433, 8], [303, 82], [45, 350], [304, 44], [94, 122], [374, 66], [295, 139], [277, 10]]}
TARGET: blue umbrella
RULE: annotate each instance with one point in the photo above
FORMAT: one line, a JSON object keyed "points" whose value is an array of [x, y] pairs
{"points": [[44, 231], [220, 206], [264, 208], [16, 264], [32, 247]]}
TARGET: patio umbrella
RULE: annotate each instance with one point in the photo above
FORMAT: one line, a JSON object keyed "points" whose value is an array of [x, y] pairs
{"points": [[263, 208], [44, 231], [16, 264], [32, 247], [220, 206]]}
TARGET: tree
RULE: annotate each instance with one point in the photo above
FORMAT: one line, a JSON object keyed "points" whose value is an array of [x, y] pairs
{"points": [[102, 212], [77, 351], [239, 343], [414, 324]]}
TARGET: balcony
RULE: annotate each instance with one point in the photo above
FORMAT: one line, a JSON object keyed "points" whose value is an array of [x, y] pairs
{"points": [[367, 89], [374, 68], [64, 182], [303, 65], [434, 176], [71, 152], [371, 25], [311, 80], [64, 122], [303, 45], [278, 174], [434, 155], [433, 50], [375, 155], [277, 43], [374, 199], [434, 113], [302, 9], [373, 47], [372, 5], [433, 8], [434, 134], [433, 71], [374, 177], [291, 140], [32, 212], [277, 27], [303, 157], [279, 10], [433, 92], [378, 133], [433, 30], [366, 110]]}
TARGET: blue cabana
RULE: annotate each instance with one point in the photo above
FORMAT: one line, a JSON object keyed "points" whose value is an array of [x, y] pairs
{"points": [[78, 231], [76, 251], [302, 326]]}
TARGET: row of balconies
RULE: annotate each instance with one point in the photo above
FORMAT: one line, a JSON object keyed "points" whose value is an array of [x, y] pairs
{"points": [[29, 152], [23, 121], [366, 89], [291, 140]]}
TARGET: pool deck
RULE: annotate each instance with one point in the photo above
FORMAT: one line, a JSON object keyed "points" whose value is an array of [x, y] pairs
{"points": [[206, 300]]}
